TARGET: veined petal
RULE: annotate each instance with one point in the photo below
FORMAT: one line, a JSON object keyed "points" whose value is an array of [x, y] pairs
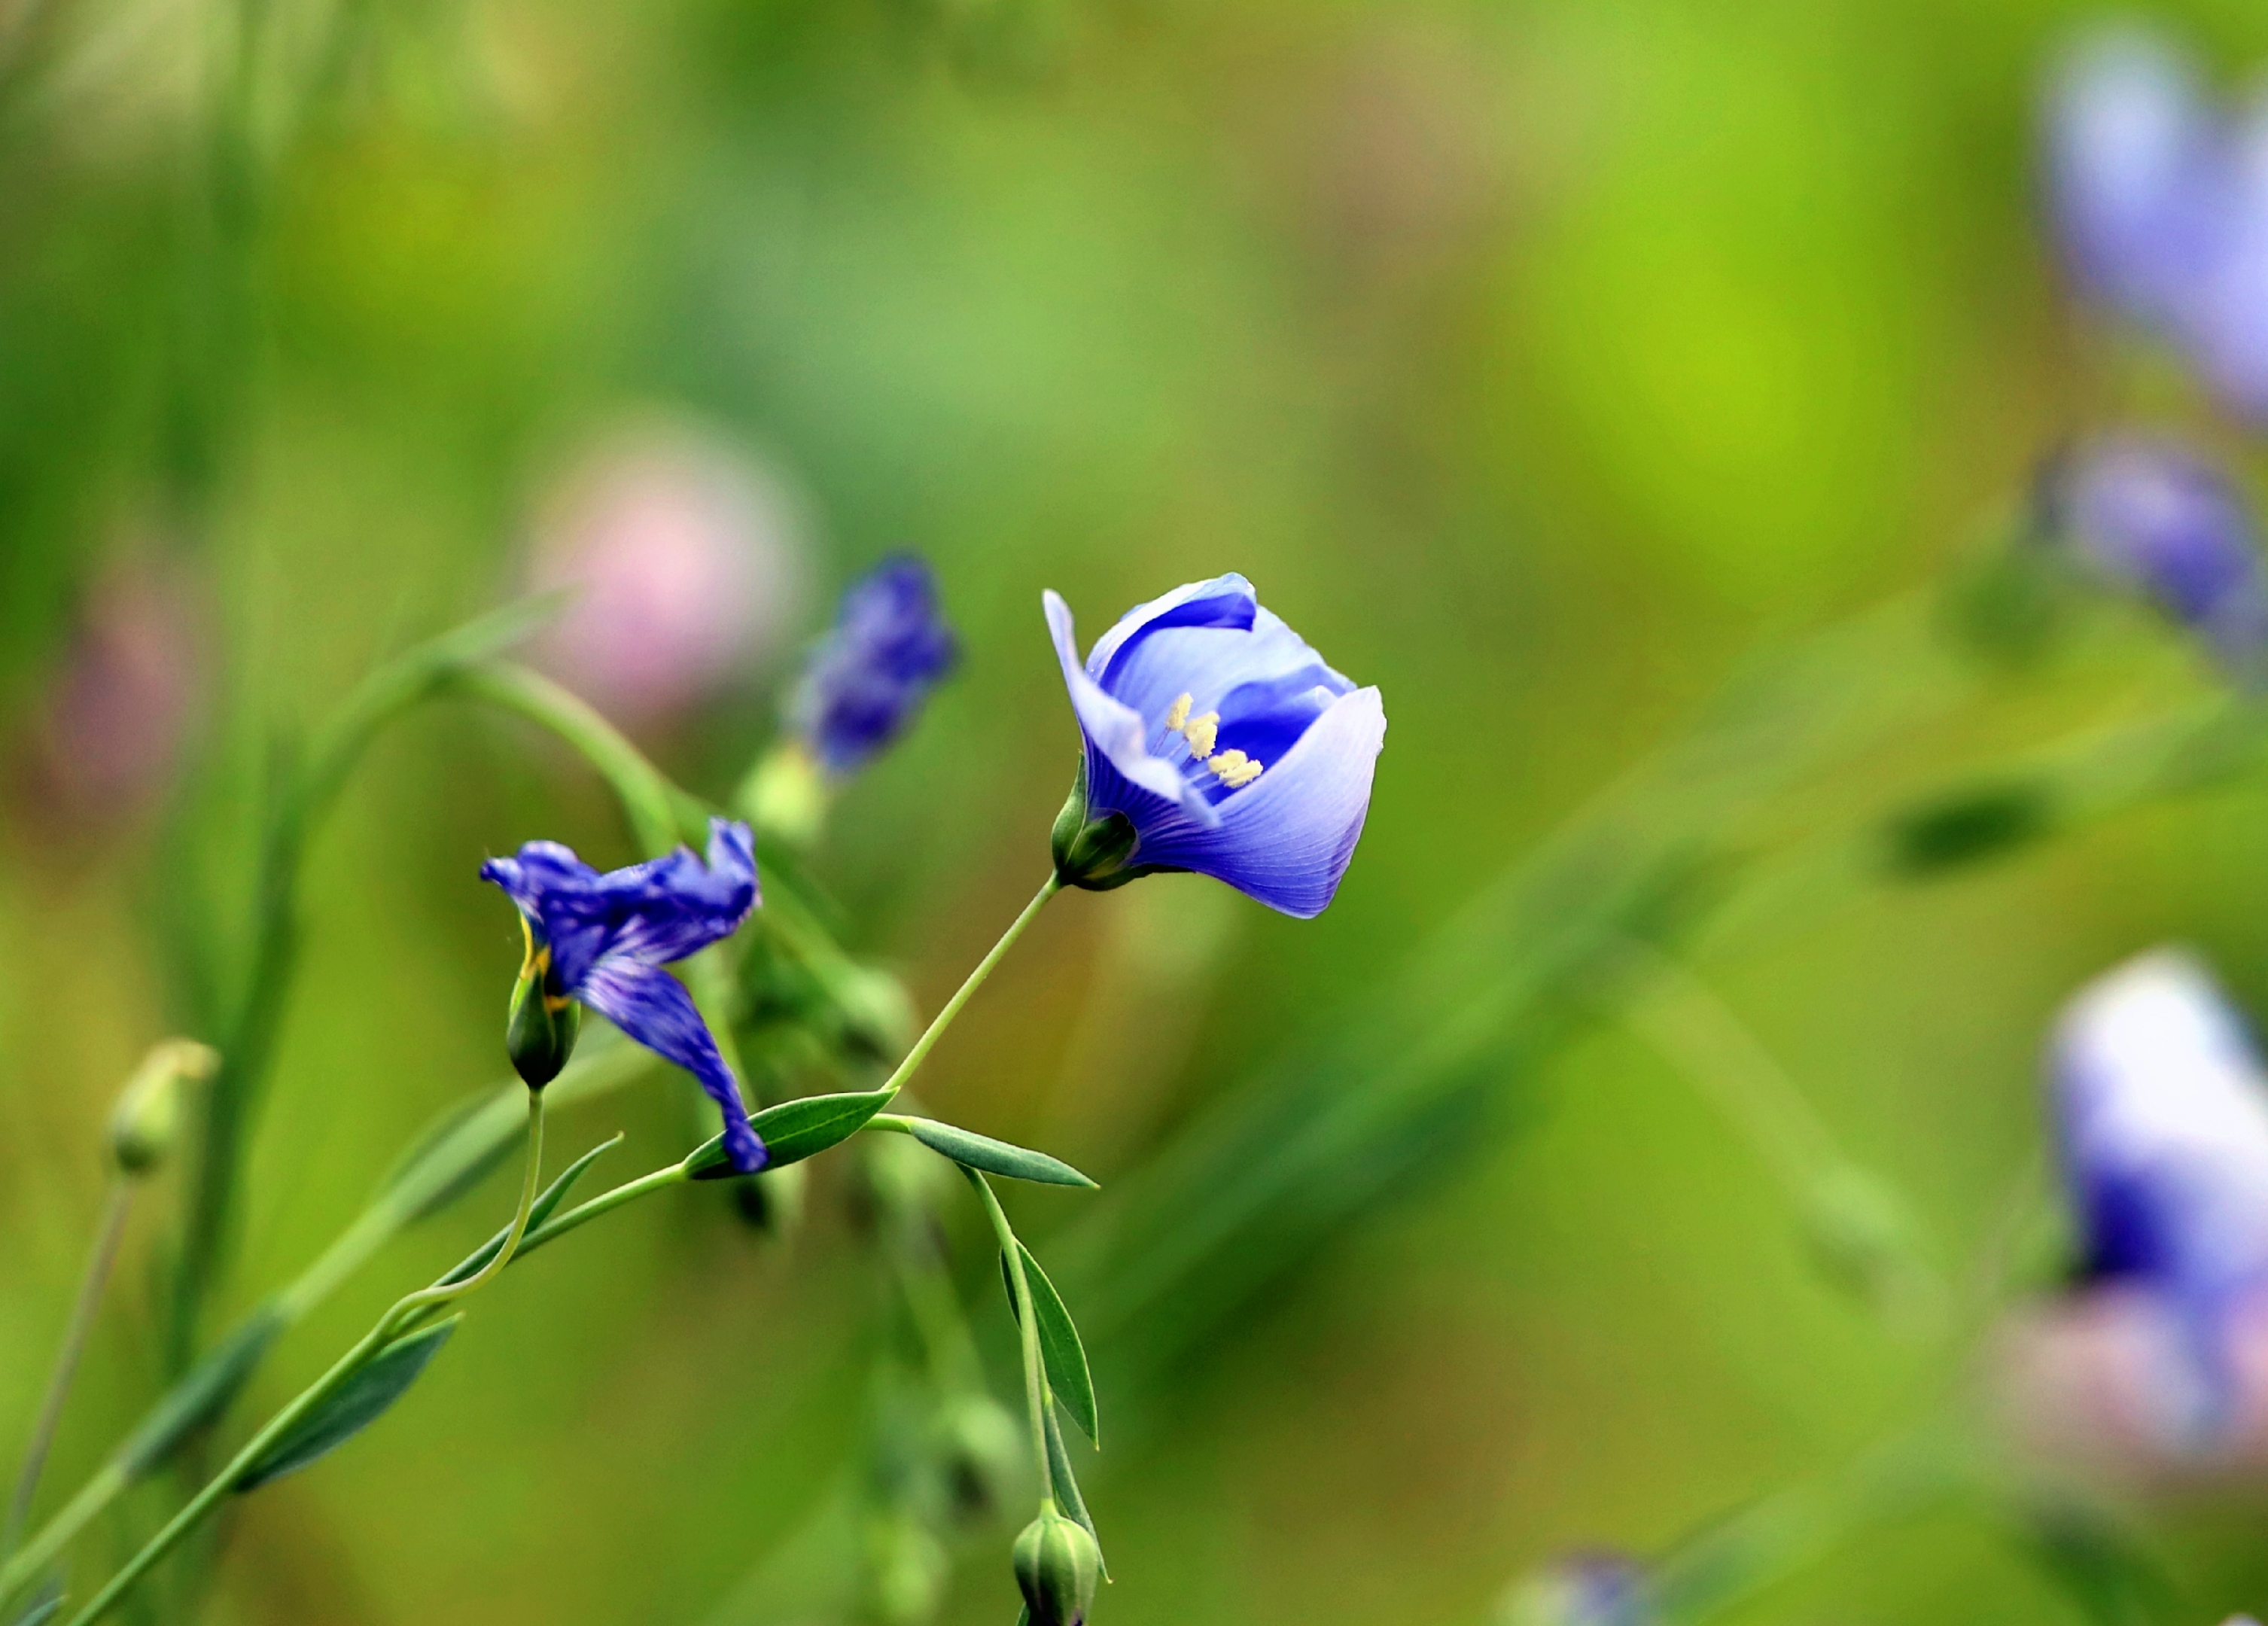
{"points": [[1224, 601], [1115, 736], [653, 1008], [1286, 838], [1210, 663], [654, 912]]}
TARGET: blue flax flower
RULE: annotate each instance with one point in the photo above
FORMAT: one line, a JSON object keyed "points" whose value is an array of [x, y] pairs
{"points": [[870, 674], [2156, 518], [1216, 740], [2162, 1111], [2162, 198], [603, 940]]}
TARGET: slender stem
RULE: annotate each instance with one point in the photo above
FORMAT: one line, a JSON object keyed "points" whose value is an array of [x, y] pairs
{"points": [[1036, 1389], [606, 1202], [596, 1072], [200, 1506], [944, 1019], [108, 1236]]}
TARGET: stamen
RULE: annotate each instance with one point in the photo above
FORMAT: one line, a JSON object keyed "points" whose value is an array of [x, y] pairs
{"points": [[1180, 714], [1234, 768], [1201, 733]]}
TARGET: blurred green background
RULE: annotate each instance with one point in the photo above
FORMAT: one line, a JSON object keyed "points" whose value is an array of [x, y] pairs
{"points": [[1537, 361]]}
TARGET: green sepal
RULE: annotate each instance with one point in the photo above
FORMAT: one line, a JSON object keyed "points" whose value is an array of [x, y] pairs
{"points": [[1066, 1484], [544, 1206], [540, 1028], [995, 1157], [202, 1395], [1064, 1356], [353, 1407], [792, 1131]]}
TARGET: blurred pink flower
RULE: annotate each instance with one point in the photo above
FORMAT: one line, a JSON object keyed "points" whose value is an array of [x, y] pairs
{"points": [[121, 699], [689, 558], [2099, 1381]]}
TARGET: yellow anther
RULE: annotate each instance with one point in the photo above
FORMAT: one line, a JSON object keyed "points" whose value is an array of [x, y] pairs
{"points": [[1234, 768], [1201, 731], [1180, 714]]}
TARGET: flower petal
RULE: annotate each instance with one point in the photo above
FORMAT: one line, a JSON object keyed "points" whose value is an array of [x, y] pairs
{"points": [[1121, 776], [1286, 838], [654, 912], [1224, 601], [1210, 663], [653, 1008]]}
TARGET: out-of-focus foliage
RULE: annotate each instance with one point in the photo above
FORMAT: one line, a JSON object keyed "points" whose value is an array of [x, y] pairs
{"points": [[1538, 362]]}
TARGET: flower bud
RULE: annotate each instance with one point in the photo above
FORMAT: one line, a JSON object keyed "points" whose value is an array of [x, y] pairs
{"points": [[1057, 1566], [1092, 852], [785, 795], [148, 1111], [980, 1450], [539, 1032]]}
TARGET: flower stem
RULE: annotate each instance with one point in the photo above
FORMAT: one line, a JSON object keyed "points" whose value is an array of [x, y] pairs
{"points": [[108, 1236], [201, 1506], [1035, 1384], [944, 1018]]}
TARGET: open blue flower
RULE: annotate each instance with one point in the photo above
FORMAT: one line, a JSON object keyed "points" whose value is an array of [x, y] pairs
{"points": [[1216, 740], [603, 940], [2157, 519], [868, 677], [2162, 1111]]}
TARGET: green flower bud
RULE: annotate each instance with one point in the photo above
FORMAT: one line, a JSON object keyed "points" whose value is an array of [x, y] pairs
{"points": [[785, 795], [541, 1029], [1092, 852], [1056, 1567], [148, 1116], [981, 1454]]}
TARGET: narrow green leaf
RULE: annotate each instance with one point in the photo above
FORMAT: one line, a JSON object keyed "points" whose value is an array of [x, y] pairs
{"points": [[202, 1393], [1060, 1349], [545, 1206], [438, 1134], [358, 1402], [1066, 1482], [793, 1130], [45, 1605], [995, 1157]]}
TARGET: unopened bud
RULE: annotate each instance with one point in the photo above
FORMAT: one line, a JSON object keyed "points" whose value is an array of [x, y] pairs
{"points": [[980, 1450], [143, 1124], [540, 1032], [785, 795], [1056, 1566]]}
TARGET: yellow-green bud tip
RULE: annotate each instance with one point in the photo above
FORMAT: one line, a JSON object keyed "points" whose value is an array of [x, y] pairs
{"points": [[143, 1124], [1056, 1568]]}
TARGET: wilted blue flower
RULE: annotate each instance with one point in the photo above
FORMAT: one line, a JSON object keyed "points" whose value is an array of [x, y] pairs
{"points": [[2161, 198], [1216, 740], [870, 674], [2159, 519], [1583, 1589], [2161, 1109], [603, 940]]}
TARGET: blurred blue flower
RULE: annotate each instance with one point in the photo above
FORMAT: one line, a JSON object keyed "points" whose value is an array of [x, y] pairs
{"points": [[870, 674], [2157, 519], [604, 938], [1224, 744], [1582, 1589], [2162, 1110], [2161, 201]]}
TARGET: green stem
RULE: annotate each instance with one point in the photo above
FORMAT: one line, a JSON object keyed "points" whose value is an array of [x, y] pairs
{"points": [[108, 1236], [605, 1203], [944, 1019], [232, 1103], [1036, 1390], [600, 1069], [201, 1506]]}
